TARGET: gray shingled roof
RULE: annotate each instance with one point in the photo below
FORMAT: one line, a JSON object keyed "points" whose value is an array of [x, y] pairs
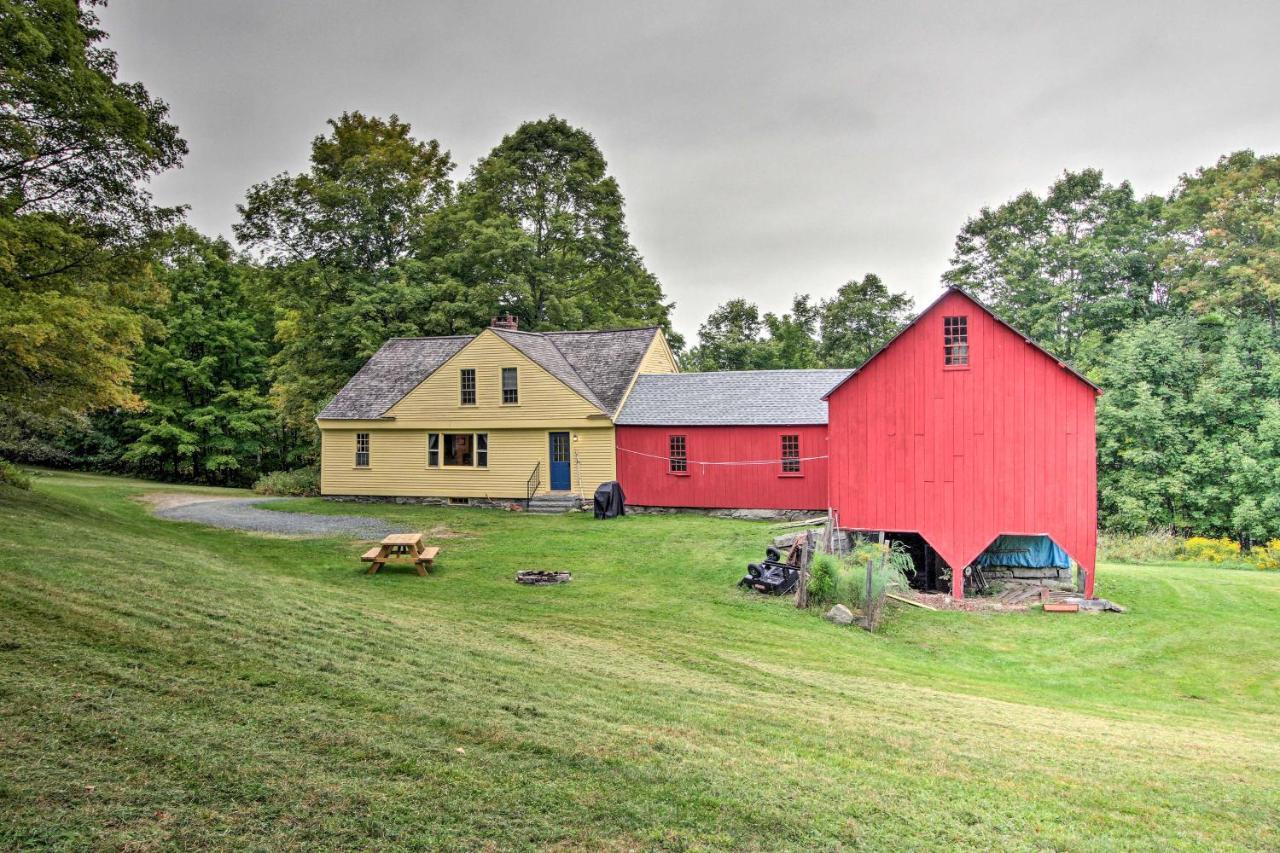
{"points": [[393, 371], [606, 361], [597, 365], [542, 350], [730, 398]]}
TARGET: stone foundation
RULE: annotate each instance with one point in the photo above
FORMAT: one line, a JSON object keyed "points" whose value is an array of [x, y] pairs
{"points": [[486, 503], [747, 514]]}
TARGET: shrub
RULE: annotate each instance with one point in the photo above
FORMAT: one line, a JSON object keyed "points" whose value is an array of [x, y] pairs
{"points": [[12, 475], [304, 482], [1265, 556], [1204, 550], [890, 567], [1157, 546], [823, 575]]}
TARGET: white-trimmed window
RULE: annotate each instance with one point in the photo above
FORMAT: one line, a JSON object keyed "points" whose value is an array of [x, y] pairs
{"points": [[955, 341], [458, 449], [510, 386], [362, 450], [467, 386]]}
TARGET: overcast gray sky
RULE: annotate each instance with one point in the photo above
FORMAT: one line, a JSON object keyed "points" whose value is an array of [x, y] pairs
{"points": [[763, 149]]}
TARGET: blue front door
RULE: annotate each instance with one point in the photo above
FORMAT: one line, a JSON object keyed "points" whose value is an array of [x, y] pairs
{"points": [[560, 477]]}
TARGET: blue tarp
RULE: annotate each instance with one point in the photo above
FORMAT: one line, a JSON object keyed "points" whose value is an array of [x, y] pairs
{"points": [[1028, 551]]}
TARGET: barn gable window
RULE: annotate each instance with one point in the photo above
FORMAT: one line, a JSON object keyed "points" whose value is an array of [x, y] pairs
{"points": [[791, 454], [955, 341], [362, 450], [467, 384], [677, 455]]}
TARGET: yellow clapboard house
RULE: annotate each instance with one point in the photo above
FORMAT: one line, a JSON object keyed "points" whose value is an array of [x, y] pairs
{"points": [[496, 417]]}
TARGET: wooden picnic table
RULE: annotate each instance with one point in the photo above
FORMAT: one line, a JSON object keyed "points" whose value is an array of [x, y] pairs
{"points": [[401, 547]]}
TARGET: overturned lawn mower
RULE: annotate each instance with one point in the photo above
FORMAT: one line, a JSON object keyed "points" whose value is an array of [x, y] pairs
{"points": [[771, 576], [542, 578]]}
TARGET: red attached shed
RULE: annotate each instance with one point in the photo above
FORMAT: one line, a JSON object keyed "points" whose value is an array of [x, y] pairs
{"points": [[961, 429], [729, 440]]}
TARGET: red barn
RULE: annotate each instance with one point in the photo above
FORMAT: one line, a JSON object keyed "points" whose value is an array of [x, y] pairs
{"points": [[731, 440], [960, 430]]}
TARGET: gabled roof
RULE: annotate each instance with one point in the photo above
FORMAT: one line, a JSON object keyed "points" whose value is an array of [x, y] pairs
{"points": [[393, 371], [543, 351], [730, 398], [934, 304], [598, 366], [606, 361]]}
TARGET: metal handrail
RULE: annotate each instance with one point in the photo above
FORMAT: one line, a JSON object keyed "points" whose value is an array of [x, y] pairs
{"points": [[531, 486]]}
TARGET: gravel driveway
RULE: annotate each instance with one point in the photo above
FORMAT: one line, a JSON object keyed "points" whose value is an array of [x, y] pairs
{"points": [[242, 514]]}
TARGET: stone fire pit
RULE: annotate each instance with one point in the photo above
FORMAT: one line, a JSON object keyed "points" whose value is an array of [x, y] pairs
{"points": [[540, 578]]}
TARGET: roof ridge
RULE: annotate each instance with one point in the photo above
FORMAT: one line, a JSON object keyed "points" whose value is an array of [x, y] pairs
{"points": [[601, 331], [755, 372], [425, 338]]}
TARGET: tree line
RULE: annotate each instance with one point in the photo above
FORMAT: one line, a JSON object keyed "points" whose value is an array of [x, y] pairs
{"points": [[1169, 303], [130, 342]]}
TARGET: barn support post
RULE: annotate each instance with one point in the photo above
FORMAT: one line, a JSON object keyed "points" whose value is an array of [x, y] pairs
{"points": [[957, 583]]}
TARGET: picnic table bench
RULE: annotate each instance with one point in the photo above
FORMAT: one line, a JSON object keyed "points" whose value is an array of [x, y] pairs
{"points": [[401, 547]]}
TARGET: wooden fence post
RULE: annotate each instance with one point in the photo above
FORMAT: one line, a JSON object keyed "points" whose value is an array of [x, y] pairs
{"points": [[802, 585]]}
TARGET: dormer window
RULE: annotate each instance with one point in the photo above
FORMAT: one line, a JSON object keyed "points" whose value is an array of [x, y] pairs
{"points": [[955, 341]]}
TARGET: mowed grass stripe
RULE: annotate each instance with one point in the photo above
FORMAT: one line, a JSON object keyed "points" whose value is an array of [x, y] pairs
{"points": [[241, 691]]}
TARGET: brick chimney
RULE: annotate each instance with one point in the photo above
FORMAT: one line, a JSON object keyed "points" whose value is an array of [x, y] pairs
{"points": [[506, 321]]}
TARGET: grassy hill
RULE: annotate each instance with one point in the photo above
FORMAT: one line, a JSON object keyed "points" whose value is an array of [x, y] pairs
{"points": [[164, 684]]}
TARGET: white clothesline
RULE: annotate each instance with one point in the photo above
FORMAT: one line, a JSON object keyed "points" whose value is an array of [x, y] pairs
{"points": [[742, 462]]}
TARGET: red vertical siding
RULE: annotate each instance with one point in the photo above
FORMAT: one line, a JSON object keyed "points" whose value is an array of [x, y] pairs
{"points": [[647, 482], [1005, 446]]}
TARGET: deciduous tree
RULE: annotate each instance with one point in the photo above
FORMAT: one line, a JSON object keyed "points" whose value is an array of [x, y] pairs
{"points": [[541, 219], [203, 380], [1222, 251], [1071, 269], [859, 319], [77, 227]]}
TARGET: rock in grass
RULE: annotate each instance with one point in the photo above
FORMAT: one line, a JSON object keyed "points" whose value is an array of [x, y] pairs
{"points": [[840, 615]]}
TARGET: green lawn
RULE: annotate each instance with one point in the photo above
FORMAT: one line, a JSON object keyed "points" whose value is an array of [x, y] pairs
{"points": [[168, 685]]}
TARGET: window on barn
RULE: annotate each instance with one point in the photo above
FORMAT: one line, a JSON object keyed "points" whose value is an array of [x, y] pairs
{"points": [[459, 449], [433, 449], [467, 380], [362, 450], [955, 341], [677, 455], [510, 385], [791, 454], [482, 450]]}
